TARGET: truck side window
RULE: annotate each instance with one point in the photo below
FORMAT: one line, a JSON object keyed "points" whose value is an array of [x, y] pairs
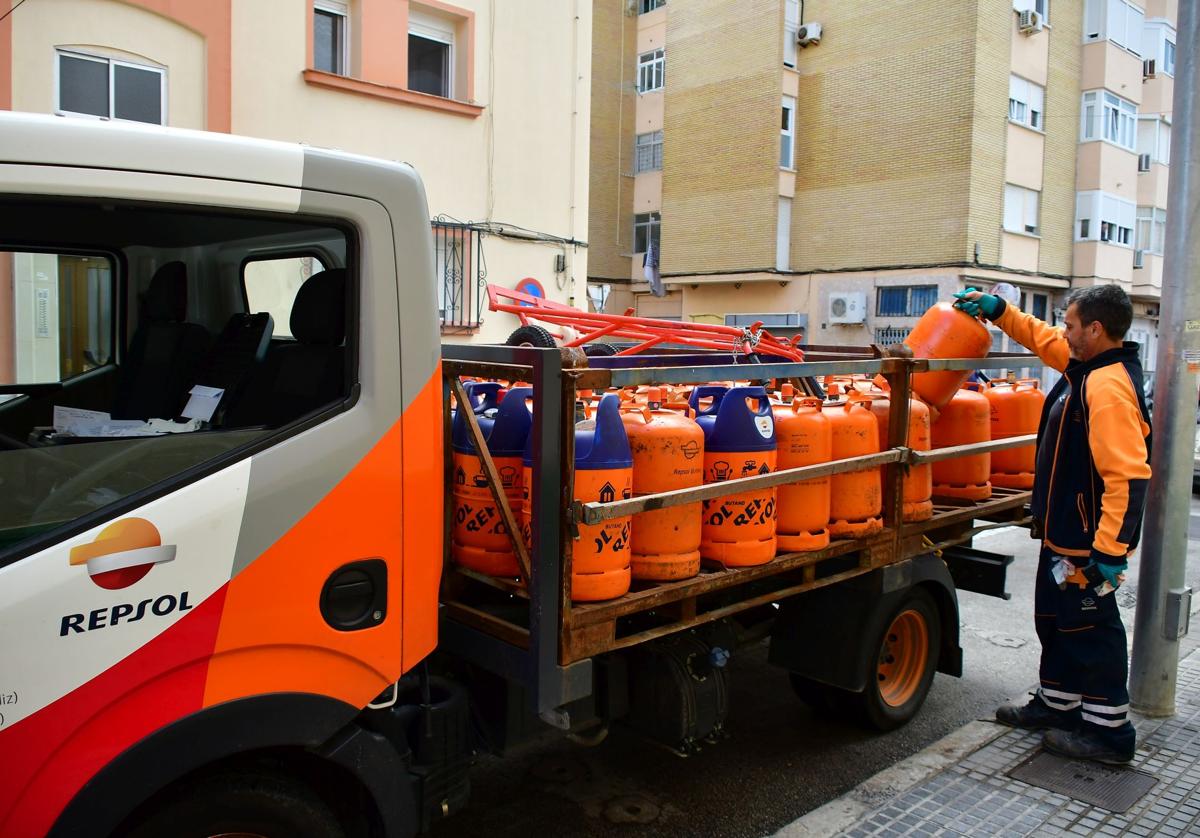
{"points": [[270, 285], [114, 328]]}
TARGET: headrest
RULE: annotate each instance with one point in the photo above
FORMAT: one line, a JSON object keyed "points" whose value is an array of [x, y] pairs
{"points": [[166, 298], [319, 311]]}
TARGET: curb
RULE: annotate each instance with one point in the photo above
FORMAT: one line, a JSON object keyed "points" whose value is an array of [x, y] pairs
{"points": [[842, 813]]}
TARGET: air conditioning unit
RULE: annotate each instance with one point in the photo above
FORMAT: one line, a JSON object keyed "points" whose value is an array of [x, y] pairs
{"points": [[808, 34], [1149, 69], [1139, 258], [847, 307], [1144, 162], [1029, 21]]}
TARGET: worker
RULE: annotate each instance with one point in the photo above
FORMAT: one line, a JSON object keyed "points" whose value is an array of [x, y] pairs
{"points": [[1093, 467]]}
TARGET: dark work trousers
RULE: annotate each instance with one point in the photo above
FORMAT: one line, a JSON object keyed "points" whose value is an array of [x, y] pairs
{"points": [[1084, 660]]}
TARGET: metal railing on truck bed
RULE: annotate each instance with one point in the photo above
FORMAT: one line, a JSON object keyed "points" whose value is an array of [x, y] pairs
{"points": [[529, 631]]}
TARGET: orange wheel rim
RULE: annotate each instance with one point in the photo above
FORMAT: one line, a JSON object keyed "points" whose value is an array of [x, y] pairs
{"points": [[902, 658]]}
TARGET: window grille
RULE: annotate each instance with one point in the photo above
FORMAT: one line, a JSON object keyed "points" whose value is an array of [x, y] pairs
{"points": [[890, 334], [461, 273]]}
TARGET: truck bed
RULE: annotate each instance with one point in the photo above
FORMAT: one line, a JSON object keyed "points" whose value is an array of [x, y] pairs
{"points": [[536, 634]]}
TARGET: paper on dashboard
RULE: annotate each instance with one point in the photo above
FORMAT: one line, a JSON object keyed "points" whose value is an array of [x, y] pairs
{"points": [[203, 402]]}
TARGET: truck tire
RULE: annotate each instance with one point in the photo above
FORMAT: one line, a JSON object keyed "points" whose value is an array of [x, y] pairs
{"points": [[534, 336], [243, 803], [905, 656]]}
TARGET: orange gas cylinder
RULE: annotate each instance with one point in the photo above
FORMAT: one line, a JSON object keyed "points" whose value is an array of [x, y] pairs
{"points": [[668, 453], [945, 332], [918, 483], [739, 441], [803, 437], [1016, 411], [603, 472], [965, 420], [856, 498], [480, 540]]}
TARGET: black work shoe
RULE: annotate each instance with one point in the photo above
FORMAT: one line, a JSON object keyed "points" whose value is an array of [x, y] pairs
{"points": [[1082, 744], [1036, 715]]}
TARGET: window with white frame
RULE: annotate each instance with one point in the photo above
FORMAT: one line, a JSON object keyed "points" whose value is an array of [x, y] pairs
{"points": [[647, 152], [1102, 217], [791, 26], [787, 134], [1021, 209], [1042, 7], [646, 6], [1119, 21], [91, 85], [646, 228], [331, 37], [430, 54], [1158, 43], [1151, 230], [1026, 103], [1106, 116], [652, 71], [1154, 138]]}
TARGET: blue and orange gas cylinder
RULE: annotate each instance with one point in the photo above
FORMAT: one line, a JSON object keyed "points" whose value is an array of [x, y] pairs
{"points": [[804, 437], [480, 540], [739, 441], [1016, 411], [856, 500], [668, 453], [603, 472], [965, 420]]}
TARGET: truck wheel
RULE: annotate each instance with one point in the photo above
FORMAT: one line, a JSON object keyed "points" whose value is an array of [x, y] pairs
{"points": [[243, 804], [906, 656], [599, 350], [531, 336]]}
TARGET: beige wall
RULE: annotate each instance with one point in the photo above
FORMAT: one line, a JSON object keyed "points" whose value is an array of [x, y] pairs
{"points": [[652, 30], [649, 116], [647, 192], [1152, 186], [1019, 252], [721, 134], [993, 50], [1030, 53], [1147, 280], [884, 149], [112, 30], [1102, 165], [1103, 261], [1168, 9], [1023, 161], [1107, 65], [1157, 94], [1062, 136], [614, 74]]}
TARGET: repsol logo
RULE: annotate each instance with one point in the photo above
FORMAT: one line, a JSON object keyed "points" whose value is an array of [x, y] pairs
{"points": [[124, 612]]}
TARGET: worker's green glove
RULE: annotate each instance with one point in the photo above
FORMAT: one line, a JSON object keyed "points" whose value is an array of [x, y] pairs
{"points": [[1114, 574], [988, 305]]}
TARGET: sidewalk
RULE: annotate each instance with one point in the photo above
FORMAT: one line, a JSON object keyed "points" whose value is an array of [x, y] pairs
{"points": [[961, 785]]}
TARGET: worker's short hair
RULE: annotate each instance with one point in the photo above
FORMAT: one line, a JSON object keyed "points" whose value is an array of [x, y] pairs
{"points": [[1105, 303]]}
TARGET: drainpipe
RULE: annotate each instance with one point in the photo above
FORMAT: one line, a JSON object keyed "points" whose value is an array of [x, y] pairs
{"points": [[1164, 601]]}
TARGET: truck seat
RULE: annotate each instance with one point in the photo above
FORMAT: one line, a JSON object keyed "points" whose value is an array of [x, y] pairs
{"points": [[165, 351], [301, 376], [235, 358]]}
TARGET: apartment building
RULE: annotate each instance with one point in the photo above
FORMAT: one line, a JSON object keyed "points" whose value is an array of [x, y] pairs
{"points": [[836, 167], [490, 101]]}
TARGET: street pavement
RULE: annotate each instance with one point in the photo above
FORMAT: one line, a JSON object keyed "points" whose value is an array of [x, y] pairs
{"points": [[780, 760]]}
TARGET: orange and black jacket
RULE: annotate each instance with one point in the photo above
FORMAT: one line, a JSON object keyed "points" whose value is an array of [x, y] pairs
{"points": [[1093, 455]]}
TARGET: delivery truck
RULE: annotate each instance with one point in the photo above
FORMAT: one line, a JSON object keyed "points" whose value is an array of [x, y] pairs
{"points": [[227, 597]]}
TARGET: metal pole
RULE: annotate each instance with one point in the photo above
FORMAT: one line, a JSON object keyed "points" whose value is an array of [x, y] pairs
{"points": [[1163, 599]]}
